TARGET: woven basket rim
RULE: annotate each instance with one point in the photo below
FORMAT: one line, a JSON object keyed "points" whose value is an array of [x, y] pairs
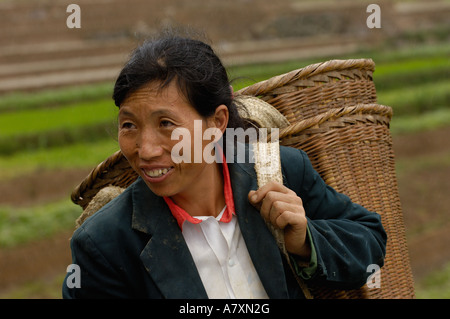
{"points": [[299, 126], [306, 72], [90, 180]]}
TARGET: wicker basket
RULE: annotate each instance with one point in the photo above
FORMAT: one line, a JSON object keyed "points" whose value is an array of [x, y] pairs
{"points": [[334, 118], [115, 171], [351, 148]]}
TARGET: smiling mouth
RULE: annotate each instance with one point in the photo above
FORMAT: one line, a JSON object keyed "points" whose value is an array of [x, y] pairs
{"points": [[158, 172]]}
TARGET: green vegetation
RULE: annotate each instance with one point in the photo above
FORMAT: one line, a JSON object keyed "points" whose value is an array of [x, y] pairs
{"points": [[436, 285], [19, 225], [425, 122], [39, 289], [78, 155], [417, 99], [53, 98], [46, 127], [37, 121]]}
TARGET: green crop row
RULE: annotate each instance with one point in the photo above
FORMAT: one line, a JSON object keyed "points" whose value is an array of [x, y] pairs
{"points": [[19, 225], [414, 123], [55, 97], [410, 73], [417, 99], [42, 120], [41, 128], [57, 138], [77, 155]]}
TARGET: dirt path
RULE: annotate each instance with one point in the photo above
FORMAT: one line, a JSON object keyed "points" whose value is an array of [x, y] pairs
{"points": [[40, 187], [40, 260], [424, 196]]}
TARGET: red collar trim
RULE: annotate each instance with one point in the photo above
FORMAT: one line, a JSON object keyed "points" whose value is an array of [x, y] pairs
{"points": [[181, 215]]}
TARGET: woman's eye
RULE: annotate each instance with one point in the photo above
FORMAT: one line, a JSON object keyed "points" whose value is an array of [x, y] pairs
{"points": [[165, 123], [127, 125]]}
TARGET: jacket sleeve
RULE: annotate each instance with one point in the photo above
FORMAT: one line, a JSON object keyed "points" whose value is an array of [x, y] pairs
{"points": [[346, 237], [98, 279]]}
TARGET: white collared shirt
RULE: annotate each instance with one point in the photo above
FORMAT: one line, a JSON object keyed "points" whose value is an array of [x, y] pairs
{"points": [[222, 258]]}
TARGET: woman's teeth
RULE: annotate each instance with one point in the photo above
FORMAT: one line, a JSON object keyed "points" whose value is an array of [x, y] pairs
{"points": [[157, 172]]}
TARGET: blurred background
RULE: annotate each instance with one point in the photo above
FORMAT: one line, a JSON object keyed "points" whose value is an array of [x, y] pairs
{"points": [[58, 121]]}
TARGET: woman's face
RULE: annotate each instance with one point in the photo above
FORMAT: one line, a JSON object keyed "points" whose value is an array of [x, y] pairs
{"points": [[147, 118]]}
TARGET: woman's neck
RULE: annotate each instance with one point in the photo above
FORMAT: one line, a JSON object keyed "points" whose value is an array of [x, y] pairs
{"points": [[206, 196]]}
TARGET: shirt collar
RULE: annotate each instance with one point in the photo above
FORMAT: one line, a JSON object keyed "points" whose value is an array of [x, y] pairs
{"points": [[181, 215]]}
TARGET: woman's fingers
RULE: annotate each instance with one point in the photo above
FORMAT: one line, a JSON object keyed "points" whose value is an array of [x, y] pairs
{"points": [[284, 209], [273, 199], [255, 197], [275, 204]]}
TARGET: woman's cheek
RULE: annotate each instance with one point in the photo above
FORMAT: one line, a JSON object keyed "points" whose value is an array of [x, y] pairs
{"points": [[127, 145]]}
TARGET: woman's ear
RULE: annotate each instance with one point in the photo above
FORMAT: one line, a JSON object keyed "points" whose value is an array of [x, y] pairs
{"points": [[220, 117]]}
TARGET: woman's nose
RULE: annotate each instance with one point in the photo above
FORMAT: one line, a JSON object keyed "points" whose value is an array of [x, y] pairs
{"points": [[149, 146]]}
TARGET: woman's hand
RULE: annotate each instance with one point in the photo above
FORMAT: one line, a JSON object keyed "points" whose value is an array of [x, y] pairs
{"points": [[284, 209]]}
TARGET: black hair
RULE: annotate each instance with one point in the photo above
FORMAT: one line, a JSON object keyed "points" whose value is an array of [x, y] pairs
{"points": [[193, 64]]}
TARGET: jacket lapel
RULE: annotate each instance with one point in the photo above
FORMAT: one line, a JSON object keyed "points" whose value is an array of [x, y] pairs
{"points": [[166, 256], [261, 245]]}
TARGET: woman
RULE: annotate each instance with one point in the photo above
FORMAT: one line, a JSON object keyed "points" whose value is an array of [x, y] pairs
{"points": [[196, 228]]}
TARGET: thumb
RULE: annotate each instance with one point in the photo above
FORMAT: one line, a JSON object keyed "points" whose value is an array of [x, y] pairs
{"points": [[253, 199]]}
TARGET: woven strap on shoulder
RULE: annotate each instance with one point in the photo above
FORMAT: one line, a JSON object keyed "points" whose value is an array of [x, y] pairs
{"points": [[268, 168]]}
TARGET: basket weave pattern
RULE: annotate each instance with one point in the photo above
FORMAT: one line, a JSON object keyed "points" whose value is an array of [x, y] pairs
{"points": [[353, 153], [337, 122], [115, 171]]}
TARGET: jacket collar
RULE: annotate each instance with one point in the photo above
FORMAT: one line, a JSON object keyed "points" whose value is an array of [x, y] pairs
{"points": [[166, 256]]}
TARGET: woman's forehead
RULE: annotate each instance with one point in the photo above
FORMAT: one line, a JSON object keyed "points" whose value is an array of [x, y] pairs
{"points": [[154, 93], [151, 98]]}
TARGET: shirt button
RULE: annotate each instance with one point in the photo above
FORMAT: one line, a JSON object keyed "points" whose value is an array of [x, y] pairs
{"points": [[231, 262]]}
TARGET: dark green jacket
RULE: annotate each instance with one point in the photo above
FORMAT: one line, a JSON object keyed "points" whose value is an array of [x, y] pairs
{"points": [[133, 247]]}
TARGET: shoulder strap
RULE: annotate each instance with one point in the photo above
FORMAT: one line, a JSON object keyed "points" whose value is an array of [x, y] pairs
{"points": [[268, 168]]}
